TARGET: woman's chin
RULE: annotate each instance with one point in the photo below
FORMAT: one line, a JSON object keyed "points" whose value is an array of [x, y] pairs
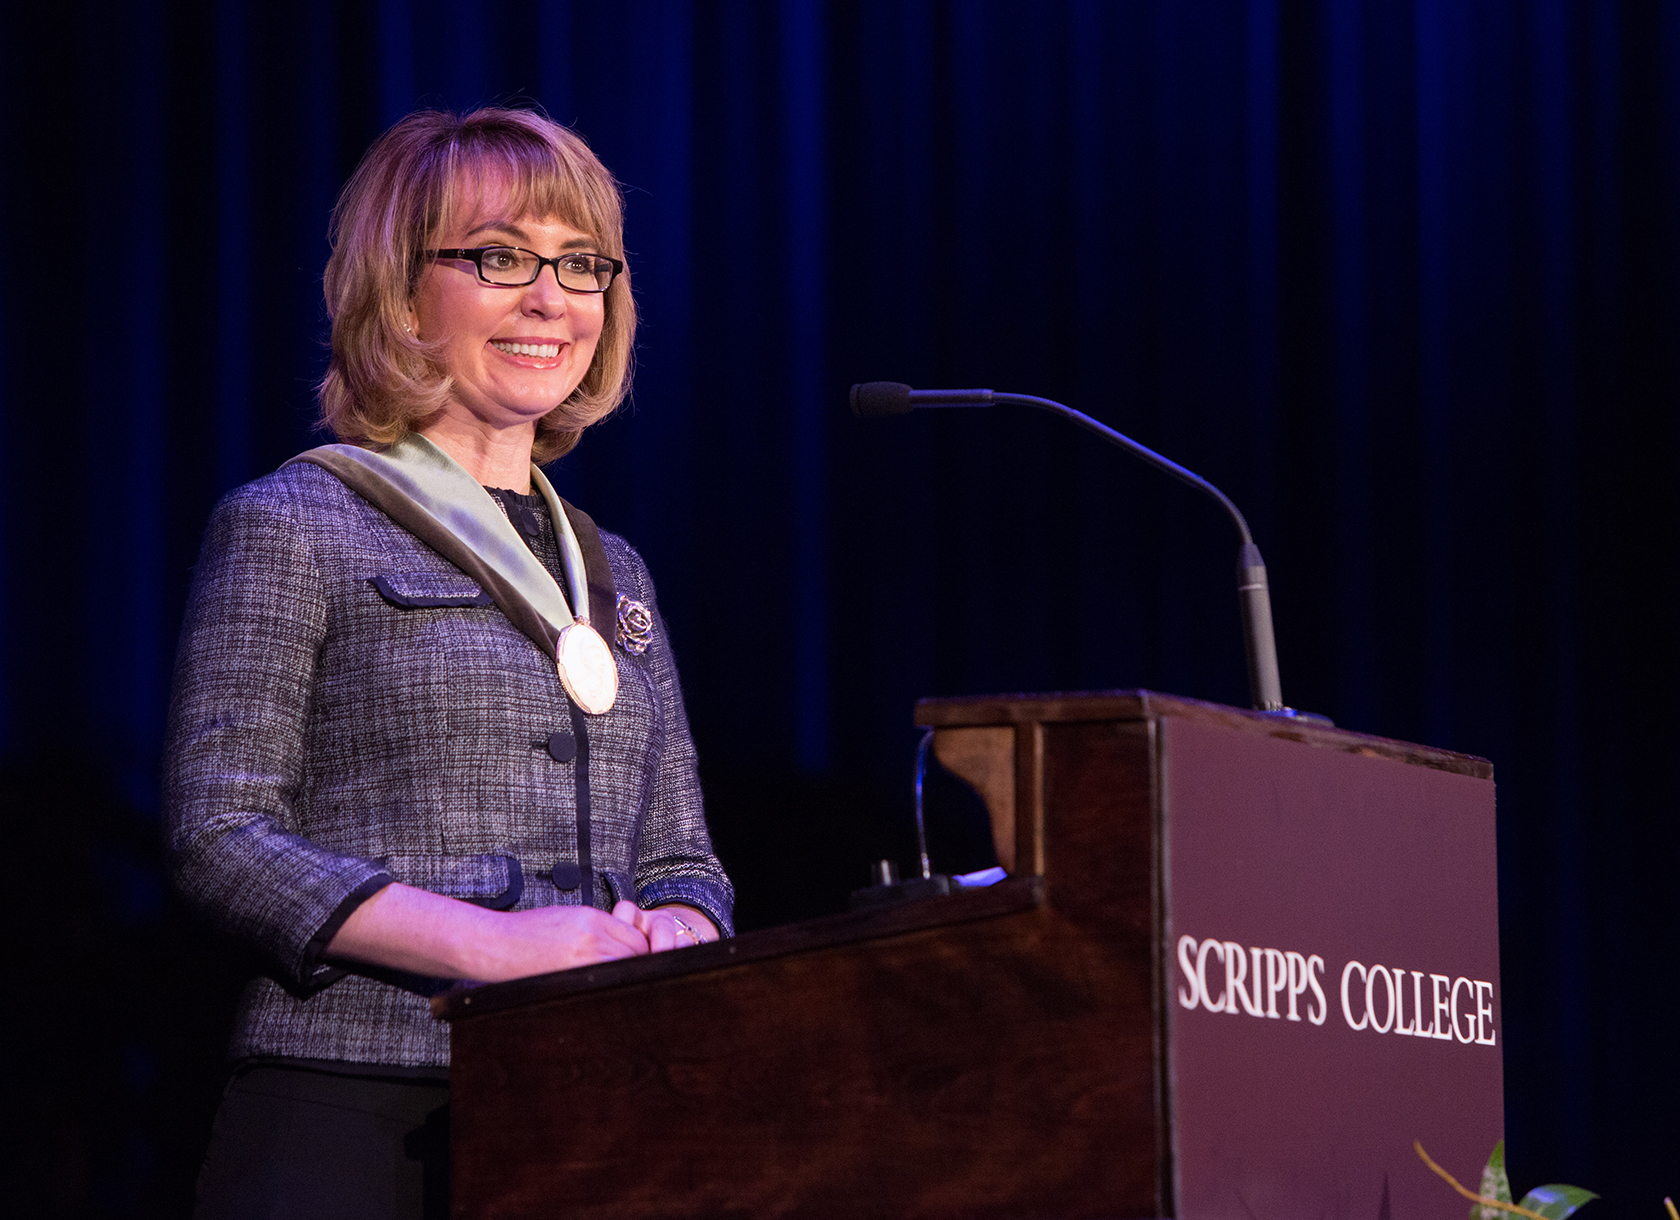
{"points": [[463, 419]]}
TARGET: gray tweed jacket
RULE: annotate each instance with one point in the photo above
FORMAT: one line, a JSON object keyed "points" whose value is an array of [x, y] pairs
{"points": [[349, 709]]}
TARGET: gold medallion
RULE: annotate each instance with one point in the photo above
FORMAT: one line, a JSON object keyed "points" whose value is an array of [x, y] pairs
{"points": [[587, 669]]}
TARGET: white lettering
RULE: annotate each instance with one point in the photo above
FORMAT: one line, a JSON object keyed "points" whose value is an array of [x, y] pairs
{"points": [[1347, 1008], [1393, 998], [1400, 1026], [1193, 997], [1417, 1003], [1277, 978], [1297, 980], [1436, 982], [1255, 978], [1236, 970], [1315, 963], [1471, 988], [1484, 1013], [1218, 950]]}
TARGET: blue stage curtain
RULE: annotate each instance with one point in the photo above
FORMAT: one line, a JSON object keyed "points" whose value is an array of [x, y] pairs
{"points": [[1399, 275]]}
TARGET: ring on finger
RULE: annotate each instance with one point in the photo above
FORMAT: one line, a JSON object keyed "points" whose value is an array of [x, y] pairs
{"points": [[684, 930]]}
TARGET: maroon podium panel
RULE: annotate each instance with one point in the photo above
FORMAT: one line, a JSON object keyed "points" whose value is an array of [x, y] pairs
{"points": [[1333, 926]]}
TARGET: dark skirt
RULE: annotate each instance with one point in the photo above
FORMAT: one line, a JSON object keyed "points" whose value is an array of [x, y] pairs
{"points": [[319, 1142]]}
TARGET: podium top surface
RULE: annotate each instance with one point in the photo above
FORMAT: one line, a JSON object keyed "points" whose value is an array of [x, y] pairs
{"points": [[974, 711]]}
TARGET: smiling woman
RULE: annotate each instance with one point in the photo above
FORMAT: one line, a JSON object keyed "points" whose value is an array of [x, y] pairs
{"points": [[513, 350], [434, 182], [412, 740]]}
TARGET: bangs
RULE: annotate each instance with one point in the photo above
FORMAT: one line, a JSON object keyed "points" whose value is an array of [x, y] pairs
{"points": [[428, 173], [509, 173]]}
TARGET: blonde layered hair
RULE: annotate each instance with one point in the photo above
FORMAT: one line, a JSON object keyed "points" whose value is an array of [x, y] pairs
{"points": [[383, 382]]}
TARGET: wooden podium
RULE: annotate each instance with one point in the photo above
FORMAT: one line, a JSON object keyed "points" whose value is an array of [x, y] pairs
{"points": [[1241, 962]]}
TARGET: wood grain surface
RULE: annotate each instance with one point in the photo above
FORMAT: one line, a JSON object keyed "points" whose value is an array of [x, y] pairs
{"points": [[977, 1055], [1141, 704]]}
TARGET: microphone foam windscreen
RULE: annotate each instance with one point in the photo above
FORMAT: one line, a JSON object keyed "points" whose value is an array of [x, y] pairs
{"points": [[874, 398]]}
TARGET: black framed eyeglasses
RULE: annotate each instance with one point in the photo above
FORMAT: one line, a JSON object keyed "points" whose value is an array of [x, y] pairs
{"points": [[514, 267]]}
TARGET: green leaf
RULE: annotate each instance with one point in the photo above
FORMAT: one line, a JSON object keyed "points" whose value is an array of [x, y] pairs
{"points": [[1555, 1201], [1495, 1185]]}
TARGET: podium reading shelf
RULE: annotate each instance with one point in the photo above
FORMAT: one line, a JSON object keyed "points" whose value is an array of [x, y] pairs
{"points": [[1240, 964]]}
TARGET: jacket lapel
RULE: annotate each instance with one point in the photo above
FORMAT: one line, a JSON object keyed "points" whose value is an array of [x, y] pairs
{"points": [[351, 467], [396, 504]]}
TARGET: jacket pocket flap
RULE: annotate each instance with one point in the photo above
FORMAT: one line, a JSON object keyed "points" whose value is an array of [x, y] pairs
{"points": [[425, 590], [487, 881]]}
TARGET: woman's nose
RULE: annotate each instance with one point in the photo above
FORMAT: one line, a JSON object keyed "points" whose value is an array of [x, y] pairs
{"points": [[544, 296]]}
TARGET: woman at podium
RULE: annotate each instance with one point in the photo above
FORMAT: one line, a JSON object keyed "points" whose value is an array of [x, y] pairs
{"points": [[426, 725]]}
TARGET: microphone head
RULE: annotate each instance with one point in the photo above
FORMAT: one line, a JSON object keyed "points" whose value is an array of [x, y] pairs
{"points": [[874, 398]]}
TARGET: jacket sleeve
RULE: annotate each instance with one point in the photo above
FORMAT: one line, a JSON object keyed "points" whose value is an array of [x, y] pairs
{"points": [[674, 860], [233, 765]]}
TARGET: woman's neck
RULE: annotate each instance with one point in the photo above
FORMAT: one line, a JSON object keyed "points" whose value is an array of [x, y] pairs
{"points": [[496, 457]]}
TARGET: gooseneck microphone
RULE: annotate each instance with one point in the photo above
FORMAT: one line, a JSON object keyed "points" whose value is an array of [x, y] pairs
{"points": [[877, 398]]}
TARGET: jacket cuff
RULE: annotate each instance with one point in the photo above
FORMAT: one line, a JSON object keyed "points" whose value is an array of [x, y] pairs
{"points": [[703, 895], [312, 972]]}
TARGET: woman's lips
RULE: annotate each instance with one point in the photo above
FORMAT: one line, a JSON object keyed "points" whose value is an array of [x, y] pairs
{"points": [[531, 350]]}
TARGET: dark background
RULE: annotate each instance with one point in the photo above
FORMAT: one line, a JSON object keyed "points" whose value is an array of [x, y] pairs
{"points": [[1398, 275]]}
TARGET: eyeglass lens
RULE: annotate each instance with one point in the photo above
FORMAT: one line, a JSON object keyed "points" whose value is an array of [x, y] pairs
{"points": [[512, 266]]}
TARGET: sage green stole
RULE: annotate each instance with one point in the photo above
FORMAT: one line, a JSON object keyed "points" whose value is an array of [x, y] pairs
{"points": [[429, 494]]}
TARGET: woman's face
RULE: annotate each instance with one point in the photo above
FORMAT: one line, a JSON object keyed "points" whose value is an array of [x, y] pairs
{"points": [[514, 353]]}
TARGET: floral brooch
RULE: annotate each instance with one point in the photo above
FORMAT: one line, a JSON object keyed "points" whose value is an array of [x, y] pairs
{"points": [[635, 626]]}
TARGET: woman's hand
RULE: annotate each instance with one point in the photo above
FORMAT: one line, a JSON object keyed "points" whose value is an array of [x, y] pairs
{"points": [[424, 933], [661, 927], [553, 938]]}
